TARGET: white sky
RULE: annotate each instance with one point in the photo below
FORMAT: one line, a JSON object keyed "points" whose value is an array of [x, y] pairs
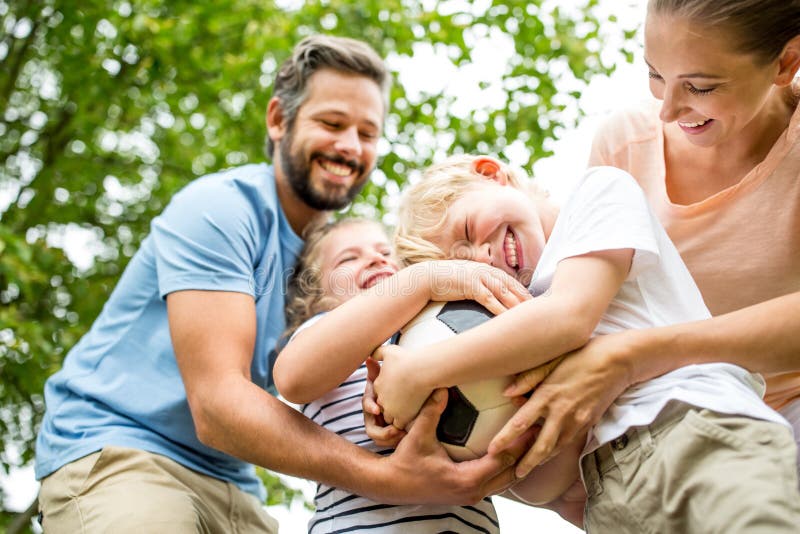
{"points": [[556, 174]]}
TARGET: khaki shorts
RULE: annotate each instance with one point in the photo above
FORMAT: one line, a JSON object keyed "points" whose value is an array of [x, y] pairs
{"points": [[123, 490], [695, 471]]}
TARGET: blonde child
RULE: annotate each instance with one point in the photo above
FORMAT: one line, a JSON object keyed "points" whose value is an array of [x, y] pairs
{"points": [[324, 371], [695, 450]]}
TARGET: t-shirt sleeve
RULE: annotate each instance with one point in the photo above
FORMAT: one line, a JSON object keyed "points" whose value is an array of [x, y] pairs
{"points": [[608, 211], [309, 322], [601, 152], [208, 239]]}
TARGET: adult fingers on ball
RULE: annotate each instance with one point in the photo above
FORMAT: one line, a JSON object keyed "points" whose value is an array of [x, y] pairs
{"points": [[543, 449], [528, 380], [523, 419], [428, 418]]}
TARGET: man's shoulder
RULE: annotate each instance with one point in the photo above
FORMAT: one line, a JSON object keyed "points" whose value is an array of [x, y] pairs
{"points": [[258, 175], [251, 184]]}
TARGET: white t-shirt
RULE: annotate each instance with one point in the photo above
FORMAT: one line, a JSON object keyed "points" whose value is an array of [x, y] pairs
{"points": [[337, 510], [607, 211]]}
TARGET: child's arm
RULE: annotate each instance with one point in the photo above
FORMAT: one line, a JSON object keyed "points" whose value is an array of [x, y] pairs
{"points": [[522, 338], [322, 356], [548, 481]]}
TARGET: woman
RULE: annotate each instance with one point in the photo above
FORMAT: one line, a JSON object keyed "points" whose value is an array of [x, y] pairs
{"points": [[719, 160]]}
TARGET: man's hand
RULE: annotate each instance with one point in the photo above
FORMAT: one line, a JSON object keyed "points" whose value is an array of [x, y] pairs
{"points": [[420, 468]]}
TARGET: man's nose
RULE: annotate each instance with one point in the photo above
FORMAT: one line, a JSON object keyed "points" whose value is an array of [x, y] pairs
{"points": [[348, 142]]}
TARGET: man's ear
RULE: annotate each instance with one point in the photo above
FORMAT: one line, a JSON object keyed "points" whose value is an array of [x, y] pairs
{"points": [[491, 169], [276, 123], [788, 62]]}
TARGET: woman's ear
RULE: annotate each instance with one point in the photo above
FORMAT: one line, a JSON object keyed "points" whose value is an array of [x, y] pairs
{"points": [[788, 62], [491, 169]]}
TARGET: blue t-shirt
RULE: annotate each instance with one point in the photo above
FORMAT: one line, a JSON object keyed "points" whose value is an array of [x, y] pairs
{"points": [[120, 384]]}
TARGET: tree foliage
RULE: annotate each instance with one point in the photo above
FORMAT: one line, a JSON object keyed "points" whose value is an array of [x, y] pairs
{"points": [[109, 107]]}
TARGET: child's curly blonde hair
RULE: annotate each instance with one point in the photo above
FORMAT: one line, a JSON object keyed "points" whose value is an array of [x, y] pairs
{"points": [[423, 206], [305, 297]]}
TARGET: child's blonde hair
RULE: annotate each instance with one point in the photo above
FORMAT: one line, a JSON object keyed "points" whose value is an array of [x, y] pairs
{"points": [[304, 296], [423, 205]]}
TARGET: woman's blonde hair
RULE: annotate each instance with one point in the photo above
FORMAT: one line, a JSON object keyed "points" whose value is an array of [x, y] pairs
{"points": [[423, 206], [304, 296]]}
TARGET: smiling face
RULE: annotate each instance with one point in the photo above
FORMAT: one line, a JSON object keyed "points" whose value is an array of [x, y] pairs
{"points": [[354, 257], [495, 224], [327, 153], [711, 91]]}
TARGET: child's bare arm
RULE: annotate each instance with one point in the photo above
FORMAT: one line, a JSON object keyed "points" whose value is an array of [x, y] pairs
{"points": [[322, 356], [548, 481], [522, 338]]}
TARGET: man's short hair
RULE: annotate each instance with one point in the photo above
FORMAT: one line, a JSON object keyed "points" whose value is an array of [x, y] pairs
{"points": [[319, 52]]}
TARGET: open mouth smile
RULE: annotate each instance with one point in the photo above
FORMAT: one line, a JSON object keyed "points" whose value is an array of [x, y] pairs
{"points": [[374, 278], [511, 250], [335, 168]]}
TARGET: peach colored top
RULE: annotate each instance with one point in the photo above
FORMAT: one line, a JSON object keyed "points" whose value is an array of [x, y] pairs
{"points": [[742, 245]]}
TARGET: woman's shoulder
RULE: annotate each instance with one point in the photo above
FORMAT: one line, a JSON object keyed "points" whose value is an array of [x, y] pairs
{"points": [[638, 124], [631, 124]]}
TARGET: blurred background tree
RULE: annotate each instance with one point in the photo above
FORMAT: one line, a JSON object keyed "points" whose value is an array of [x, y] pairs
{"points": [[109, 107]]}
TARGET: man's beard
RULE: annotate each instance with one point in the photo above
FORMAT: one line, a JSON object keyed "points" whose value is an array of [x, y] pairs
{"points": [[297, 170]]}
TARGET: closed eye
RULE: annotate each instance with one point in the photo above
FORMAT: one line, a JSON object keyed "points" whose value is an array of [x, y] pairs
{"points": [[345, 259], [697, 91]]}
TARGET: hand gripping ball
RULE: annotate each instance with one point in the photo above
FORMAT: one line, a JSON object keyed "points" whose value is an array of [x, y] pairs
{"points": [[476, 411]]}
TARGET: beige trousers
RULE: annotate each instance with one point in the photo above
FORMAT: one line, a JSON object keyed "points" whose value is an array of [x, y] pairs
{"points": [[123, 490], [695, 472]]}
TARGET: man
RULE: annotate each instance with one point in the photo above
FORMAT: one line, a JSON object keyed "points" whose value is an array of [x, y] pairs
{"points": [[161, 408]]}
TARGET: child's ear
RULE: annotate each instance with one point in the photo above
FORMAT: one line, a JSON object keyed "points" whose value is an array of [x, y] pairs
{"points": [[491, 169]]}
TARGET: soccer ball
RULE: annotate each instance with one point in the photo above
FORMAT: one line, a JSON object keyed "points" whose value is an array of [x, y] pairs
{"points": [[476, 411]]}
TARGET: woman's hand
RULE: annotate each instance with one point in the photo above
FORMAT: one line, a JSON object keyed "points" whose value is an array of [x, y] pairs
{"points": [[495, 289], [570, 399]]}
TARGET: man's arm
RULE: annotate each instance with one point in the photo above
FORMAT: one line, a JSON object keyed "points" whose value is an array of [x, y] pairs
{"points": [[213, 334]]}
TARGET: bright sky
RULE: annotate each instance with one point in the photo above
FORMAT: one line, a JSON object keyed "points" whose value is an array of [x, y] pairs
{"points": [[556, 174]]}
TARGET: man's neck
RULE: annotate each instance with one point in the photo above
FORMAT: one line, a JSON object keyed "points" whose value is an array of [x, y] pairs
{"points": [[298, 213]]}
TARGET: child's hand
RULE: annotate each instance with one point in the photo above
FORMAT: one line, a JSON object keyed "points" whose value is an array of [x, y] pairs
{"points": [[399, 395], [470, 280], [382, 433]]}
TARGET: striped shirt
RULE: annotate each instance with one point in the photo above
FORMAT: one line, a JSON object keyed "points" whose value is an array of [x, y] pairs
{"points": [[337, 510]]}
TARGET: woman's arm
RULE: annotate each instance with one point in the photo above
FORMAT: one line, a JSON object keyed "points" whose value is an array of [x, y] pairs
{"points": [[762, 338], [520, 339], [322, 356]]}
